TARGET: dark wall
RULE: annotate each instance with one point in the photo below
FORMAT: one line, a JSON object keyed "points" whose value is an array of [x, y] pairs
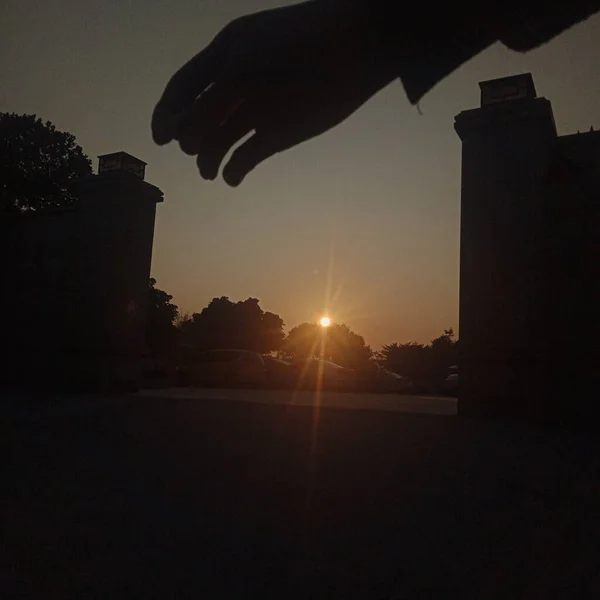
{"points": [[573, 276], [505, 164], [76, 286], [528, 255]]}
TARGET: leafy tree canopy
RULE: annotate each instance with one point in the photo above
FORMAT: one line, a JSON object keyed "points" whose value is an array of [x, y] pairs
{"points": [[336, 343], [422, 362], [38, 164], [239, 325], [161, 333]]}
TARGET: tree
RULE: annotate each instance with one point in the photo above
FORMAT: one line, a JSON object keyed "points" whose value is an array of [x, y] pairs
{"points": [[443, 354], [239, 325], [424, 364], [408, 359], [336, 343], [161, 332], [38, 164]]}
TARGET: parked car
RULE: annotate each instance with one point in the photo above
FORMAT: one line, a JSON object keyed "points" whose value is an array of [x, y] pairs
{"points": [[372, 377], [156, 373], [331, 376], [393, 382], [280, 373], [451, 382], [228, 368]]}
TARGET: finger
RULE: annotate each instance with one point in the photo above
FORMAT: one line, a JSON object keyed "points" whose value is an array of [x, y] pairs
{"points": [[213, 148], [251, 153], [182, 90], [211, 109]]}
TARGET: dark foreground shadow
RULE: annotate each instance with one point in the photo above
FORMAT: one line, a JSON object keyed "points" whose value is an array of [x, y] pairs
{"points": [[173, 499]]}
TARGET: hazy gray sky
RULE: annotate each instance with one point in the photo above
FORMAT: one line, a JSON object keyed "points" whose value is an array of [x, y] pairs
{"points": [[377, 198]]}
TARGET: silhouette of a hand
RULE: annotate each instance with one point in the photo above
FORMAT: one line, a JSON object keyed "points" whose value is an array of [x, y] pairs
{"points": [[286, 75]]}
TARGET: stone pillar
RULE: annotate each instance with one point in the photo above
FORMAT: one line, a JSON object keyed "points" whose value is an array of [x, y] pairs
{"points": [[573, 275], [506, 157], [77, 284], [115, 234]]}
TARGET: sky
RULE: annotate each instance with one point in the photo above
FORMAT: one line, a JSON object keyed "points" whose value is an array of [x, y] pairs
{"points": [[371, 207]]}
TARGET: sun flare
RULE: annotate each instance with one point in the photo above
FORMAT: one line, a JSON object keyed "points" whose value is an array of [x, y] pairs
{"points": [[325, 322]]}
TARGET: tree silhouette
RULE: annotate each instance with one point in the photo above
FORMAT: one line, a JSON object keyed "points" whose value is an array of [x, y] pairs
{"points": [[236, 325], [443, 353], [406, 359], [38, 164], [427, 365], [336, 343], [161, 332]]}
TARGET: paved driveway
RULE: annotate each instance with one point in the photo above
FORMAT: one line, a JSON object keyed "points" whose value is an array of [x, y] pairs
{"points": [[208, 497], [433, 405]]}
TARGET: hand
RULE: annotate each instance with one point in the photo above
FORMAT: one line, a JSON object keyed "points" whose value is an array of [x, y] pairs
{"points": [[286, 75]]}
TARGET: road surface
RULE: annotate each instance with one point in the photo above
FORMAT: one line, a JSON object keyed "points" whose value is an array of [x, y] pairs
{"points": [[434, 405], [157, 496]]}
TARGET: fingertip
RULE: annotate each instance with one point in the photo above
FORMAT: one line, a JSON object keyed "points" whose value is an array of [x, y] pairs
{"points": [[160, 135], [232, 178], [208, 173], [235, 171], [246, 157], [160, 138], [164, 125], [188, 145]]}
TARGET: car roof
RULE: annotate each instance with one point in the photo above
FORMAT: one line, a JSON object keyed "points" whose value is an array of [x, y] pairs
{"points": [[229, 350], [277, 360], [325, 362]]}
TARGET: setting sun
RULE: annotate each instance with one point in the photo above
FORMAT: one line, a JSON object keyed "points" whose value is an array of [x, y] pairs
{"points": [[325, 322]]}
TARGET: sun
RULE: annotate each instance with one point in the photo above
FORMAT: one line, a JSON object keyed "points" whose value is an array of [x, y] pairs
{"points": [[325, 322]]}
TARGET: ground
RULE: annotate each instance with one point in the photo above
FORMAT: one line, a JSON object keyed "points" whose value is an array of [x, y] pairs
{"points": [[210, 494], [433, 405]]}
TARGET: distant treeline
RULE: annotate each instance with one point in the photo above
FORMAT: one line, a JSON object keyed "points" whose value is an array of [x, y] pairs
{"points": [[244, 325]]}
